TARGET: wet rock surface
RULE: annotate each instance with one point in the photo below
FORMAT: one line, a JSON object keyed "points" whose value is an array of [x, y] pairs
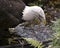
{"points": [[38, 32]]}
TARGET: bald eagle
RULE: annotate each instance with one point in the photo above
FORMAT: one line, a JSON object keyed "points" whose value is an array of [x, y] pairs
{"points": [[13, 12]]}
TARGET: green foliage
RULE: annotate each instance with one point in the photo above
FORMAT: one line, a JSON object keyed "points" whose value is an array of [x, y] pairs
{"points": [[34, 42], [56, 37], [37, 2], [56, 28]]}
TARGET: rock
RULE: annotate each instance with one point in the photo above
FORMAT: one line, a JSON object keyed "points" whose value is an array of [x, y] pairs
{"points": [[37, 32]]}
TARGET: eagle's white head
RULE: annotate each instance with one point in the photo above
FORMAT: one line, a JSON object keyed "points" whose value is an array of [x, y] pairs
{"points": [[29, 13]]}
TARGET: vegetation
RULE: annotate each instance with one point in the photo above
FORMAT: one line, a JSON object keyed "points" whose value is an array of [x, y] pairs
{"points": [[56, 37], [50, 7], [33, 42]]}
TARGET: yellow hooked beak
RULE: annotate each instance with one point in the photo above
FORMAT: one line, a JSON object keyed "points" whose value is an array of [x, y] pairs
{"points": [[44, 21], [39, 20]]}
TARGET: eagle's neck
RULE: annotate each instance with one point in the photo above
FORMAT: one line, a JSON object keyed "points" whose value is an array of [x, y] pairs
{"points": [[25, 13]]}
